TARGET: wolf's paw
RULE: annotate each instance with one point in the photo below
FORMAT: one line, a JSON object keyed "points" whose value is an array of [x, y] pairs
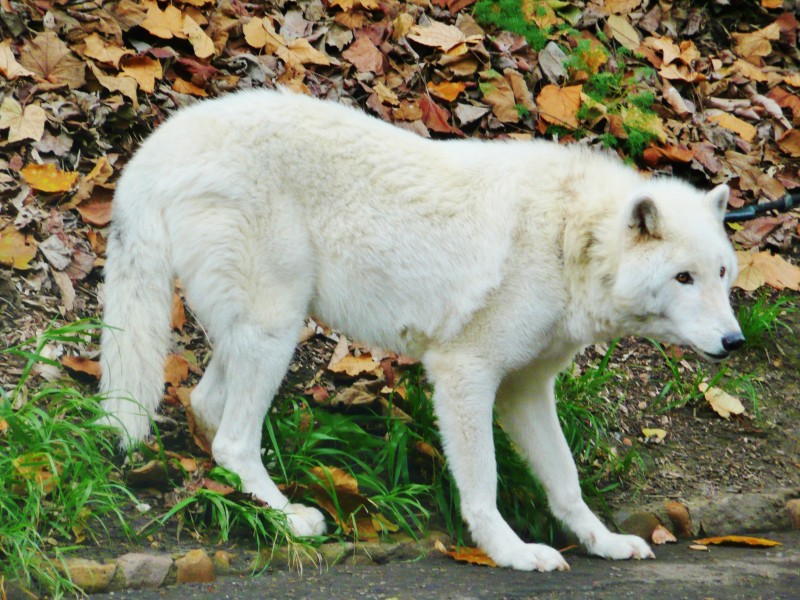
{"points": [[620, 547], [530, 557], [304, 520]]}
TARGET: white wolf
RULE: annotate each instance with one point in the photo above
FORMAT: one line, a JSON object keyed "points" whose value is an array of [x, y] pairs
{"points": [[492, 262]]}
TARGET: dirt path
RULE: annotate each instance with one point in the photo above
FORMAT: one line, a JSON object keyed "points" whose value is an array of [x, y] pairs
{"points": [[678, 572]]}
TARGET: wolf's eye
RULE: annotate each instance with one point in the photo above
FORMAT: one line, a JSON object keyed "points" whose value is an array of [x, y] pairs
{"points": [[684, 277], [722, 272]]}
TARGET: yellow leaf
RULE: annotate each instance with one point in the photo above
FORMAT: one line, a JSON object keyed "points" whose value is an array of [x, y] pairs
{"points": [[792, 79], [144, 70], [9, 67], [106, 52], [164, 24], [187, 87], [772, 3], [474, 556], [738, 540], [16, 249], [202, 44], [621, 7], [176, 369], [447, 90], [621, 30], [300, 52], [356, 365], [560, 105], [48, 177], [82, 365], [22, 124], [656, 433], [741, 128], [123, 84], [721, 401]]}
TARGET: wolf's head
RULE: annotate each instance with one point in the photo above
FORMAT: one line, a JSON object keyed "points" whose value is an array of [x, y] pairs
{"points": [[677, 267]]}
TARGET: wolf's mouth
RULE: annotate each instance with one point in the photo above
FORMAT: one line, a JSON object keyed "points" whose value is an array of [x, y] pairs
{"points": [[715, 357]]}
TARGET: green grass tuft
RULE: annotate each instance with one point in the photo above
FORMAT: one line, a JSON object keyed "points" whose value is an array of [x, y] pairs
{"points": [[507, 15]]}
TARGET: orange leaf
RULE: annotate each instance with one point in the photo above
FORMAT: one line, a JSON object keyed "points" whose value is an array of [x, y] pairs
{"points": [[447, 90], [82, 365], [48, 177], [178, 312], [474, 556], [176, 369], [738, 540], [679, 154], [97, 213], [16, 249], [741, 128], [789, 143], [187, 87], [144, 70], [560, 105]]}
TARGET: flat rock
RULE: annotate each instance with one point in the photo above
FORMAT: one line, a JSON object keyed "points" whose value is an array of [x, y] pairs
{"points": [[89, 575], [138, 570]]}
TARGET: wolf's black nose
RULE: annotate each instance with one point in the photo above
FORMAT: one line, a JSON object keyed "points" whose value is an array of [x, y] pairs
{"points": [[732, 341]]}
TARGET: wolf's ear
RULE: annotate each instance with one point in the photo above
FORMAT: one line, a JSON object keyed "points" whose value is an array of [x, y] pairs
{"points": [[718, 199], [644, 219]]}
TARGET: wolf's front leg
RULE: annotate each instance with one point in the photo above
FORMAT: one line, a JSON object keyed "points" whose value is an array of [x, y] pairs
{"points": [[463, 399], [527, 409]]}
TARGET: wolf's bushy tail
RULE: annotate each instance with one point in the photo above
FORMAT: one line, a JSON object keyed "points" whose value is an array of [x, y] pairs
{"points": [[138, 301]]}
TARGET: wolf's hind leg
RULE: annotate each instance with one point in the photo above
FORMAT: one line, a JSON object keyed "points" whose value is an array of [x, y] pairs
{"points": [[208, 399], [527, 410], [255, 359]]}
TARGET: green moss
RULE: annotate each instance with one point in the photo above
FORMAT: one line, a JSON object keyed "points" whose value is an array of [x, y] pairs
{"points": [[507, 15]]}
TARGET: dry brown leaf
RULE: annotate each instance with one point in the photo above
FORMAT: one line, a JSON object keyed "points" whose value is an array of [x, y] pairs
{"points": [[621, 30], [164, 24], [299, 52], [17, 250], [97, 213], [187, 87], [498, 94], [721, 401], [738, 540], [792, 79], [103, 51], [123, 84], [560, 105], [22, 124], [473, 556], [438, 35], [355, 366], [682, 73], [49, 58], [655, 154], [437, 118], [661, 535], [621, 7], [741, 128], [202, 45], [364, 56], [522, 94], [698, 547], [178, 313], [144, 70], [447, 90], [756, 44], [760, 268], [176, 369], [350, 501], [789, 142], [82, 365], [349, 5], [9, 67], [48, 177]]}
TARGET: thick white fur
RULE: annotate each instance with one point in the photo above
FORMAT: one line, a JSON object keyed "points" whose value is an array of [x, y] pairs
{"points": [[493, 262]]}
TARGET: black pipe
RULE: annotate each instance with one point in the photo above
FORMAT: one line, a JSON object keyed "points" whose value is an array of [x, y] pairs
{"points": [[787, 203]]}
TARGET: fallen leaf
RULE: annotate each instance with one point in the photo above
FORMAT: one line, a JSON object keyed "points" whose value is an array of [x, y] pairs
{"points": [[17, 250], [9, 67], [741, 128], [621, 30], [48, 177], [202, 44], [679, 154], [364, 56], [621, 7], [350, 504], [36, 467], [187, 87], [654, 433], [22, 124], [498, 94], [300, 52], [699, 547], [759, 268], [661, 535], [756, 44], [355, 366], [164, 24], [82, 365], [49, 58], [438, 35], [97, 213], [560, 105], [789, 142], [437, 118], [116, 83], [738, 540], [176, 369], [103, 51], [446, 90], [474, 556], [721, 401], [144, 70], [178, 313]]}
